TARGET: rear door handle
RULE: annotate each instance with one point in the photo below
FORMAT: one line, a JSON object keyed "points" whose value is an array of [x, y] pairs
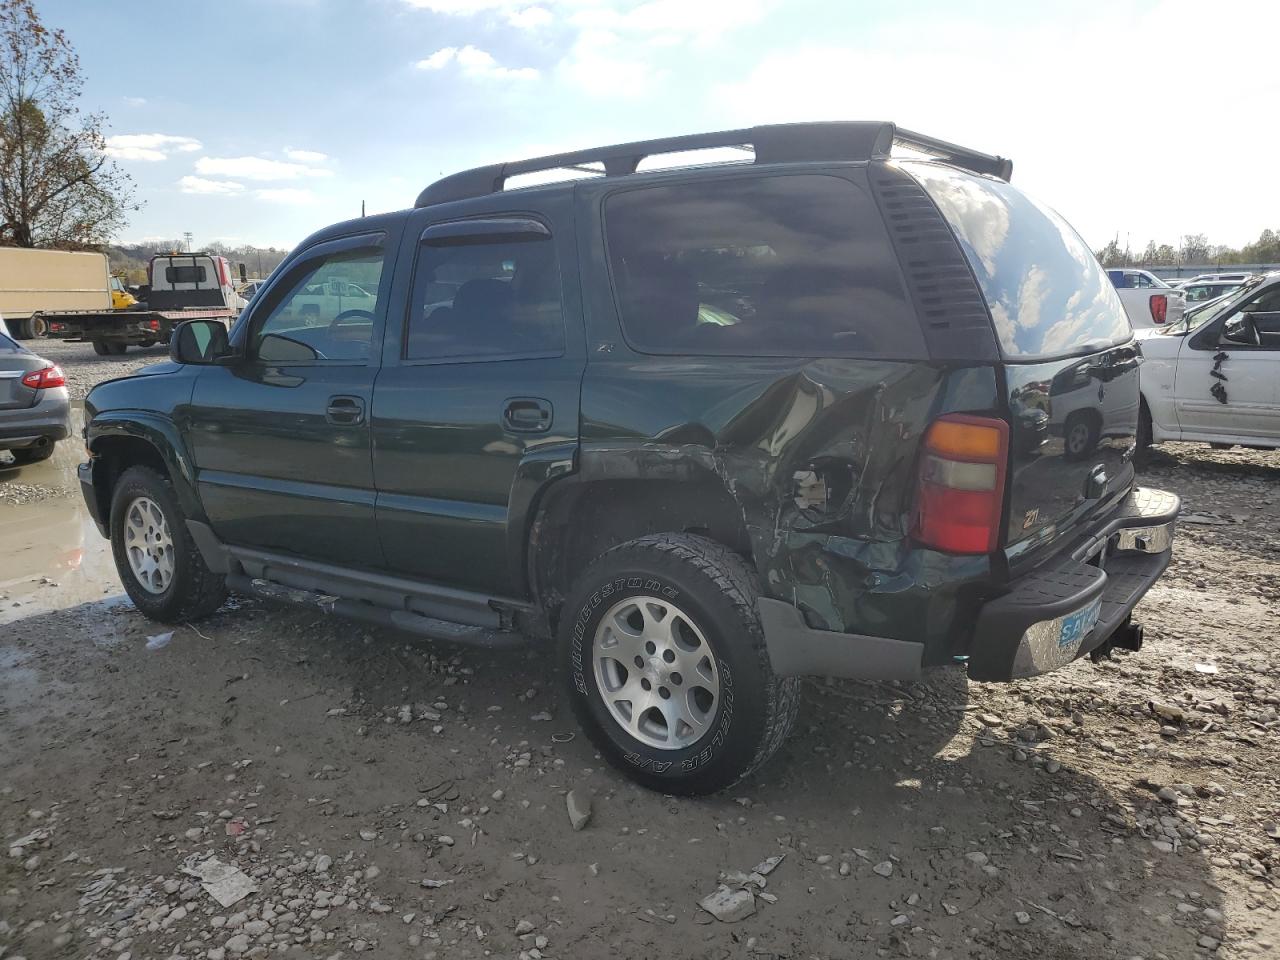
{"points": [[345, 411], [527, 415]]}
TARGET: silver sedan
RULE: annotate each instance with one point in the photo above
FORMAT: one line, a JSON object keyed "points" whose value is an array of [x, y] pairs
{"points": [[35, 411]]}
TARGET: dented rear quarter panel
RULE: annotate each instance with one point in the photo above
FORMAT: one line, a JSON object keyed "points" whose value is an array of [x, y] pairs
{"points": [[752, 425]]}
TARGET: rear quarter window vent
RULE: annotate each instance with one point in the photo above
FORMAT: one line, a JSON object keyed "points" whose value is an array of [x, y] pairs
{"points": [[953, 315]]}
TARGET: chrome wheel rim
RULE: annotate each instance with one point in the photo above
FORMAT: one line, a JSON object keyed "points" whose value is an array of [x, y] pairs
{"points": [[656, 672], [148, 545]]}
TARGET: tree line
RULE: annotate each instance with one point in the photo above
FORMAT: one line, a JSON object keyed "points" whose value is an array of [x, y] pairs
{"points": [[1193, 248]]}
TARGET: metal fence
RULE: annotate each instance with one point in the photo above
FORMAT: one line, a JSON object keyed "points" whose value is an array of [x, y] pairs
{"points": [[1194, 270]]}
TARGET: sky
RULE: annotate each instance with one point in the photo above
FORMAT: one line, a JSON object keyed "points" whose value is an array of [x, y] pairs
{"points": [[259, 121]]}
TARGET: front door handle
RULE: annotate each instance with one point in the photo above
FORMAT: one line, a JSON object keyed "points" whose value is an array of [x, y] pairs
{"points": [[345, 411], [527, 415]]}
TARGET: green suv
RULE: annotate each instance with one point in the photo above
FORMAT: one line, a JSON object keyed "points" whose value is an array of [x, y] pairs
{"points": [[709, 430]]}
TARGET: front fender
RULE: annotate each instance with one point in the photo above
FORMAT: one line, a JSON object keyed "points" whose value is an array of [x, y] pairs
{"points": [[122, 428]]}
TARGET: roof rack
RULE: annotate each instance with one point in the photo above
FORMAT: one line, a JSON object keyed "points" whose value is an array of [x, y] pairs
{"points": [[776, 143]]}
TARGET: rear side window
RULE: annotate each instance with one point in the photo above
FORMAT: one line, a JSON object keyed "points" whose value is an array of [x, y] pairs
{"points": [[486, 300], [795, 266], [7, 346], [1047, 293]]}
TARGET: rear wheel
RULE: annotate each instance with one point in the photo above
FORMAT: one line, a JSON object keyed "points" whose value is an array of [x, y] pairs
{"points": [[33, 454], [667, 667], [109, 348], [158, 562]]}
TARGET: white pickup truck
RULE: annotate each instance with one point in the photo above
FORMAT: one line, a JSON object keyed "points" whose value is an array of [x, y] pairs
{"points": [[1215, 375], [1148, 300]]}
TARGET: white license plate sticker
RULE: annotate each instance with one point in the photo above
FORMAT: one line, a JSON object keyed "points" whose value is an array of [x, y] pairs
{"points": [[1076, 626]]}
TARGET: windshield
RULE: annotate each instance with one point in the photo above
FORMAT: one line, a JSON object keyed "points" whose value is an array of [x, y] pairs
{"points": [[1204, 312]]}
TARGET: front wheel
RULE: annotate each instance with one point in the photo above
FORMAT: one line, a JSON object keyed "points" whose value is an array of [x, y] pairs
{"points": [[667, 667], [158, 562]]}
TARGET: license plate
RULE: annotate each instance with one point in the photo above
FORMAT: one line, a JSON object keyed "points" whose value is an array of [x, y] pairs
{"points": [[1076, 626]]}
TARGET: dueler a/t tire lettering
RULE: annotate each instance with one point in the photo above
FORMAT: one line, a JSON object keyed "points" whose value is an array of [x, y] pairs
{"points": [[715, 590]]}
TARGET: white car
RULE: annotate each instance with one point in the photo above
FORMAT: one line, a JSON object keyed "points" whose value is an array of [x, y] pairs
{"points": [[1148, 300], [1215, 375]]}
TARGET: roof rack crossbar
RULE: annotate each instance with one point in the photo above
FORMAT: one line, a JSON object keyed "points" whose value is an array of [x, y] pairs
{"points": [[777, 143]]}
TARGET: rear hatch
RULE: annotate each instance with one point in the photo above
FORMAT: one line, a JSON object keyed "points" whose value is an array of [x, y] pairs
{"points": [[16, 363], [1070, 364]]}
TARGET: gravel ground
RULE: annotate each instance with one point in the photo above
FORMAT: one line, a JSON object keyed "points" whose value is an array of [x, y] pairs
{"points": [[396, 798], [84, 368]]}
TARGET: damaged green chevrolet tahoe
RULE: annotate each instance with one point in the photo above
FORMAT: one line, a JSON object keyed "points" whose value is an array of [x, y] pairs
{"points": [[828, 410]]}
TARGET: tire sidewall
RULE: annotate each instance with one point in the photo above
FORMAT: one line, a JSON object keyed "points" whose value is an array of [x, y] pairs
{"points": [[732, 742], [139, 482]]}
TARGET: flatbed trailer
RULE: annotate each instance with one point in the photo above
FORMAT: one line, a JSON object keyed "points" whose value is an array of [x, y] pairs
{"points": [[112, 332]]}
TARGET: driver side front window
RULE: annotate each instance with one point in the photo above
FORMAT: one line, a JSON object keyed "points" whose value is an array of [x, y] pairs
{"points": [[1255, 323], [328, 313]]}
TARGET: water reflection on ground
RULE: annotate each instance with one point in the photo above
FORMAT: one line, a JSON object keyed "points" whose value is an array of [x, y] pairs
{"points": [[51, 554]]}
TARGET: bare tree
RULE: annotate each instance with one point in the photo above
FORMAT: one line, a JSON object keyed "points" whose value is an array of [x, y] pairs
{"points": [[58, 188]]}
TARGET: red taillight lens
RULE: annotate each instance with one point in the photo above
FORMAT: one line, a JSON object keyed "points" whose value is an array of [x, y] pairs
{"points": [[960, 489], [42, 379], [154, 325], [1159, 307]]}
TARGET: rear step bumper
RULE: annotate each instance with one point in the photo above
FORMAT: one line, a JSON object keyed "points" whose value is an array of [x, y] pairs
{"points": [[1075, 603]]}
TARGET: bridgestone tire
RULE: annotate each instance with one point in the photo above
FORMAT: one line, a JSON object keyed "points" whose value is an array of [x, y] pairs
{"points": [[195, 591], [715, 590]]}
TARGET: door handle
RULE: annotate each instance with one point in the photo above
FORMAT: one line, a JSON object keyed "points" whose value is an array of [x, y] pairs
{"points": [[345, 411], [527, 415]]}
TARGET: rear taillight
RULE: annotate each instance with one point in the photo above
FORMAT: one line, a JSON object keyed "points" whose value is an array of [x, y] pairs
{"points": [[960, 489], [43, 379], [1159, 307]]}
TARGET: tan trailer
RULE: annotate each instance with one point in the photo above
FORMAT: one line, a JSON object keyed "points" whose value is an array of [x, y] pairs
{"points": [[44, 281]]}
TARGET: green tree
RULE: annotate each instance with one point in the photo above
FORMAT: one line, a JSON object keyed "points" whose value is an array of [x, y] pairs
{"points": [[1195, 248], [57, 186]]}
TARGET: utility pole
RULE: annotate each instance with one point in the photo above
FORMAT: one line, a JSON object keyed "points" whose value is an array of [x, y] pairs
{"points": [[186, 238]]}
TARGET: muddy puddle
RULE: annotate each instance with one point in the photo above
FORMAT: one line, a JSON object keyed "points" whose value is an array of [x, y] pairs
{"points": [[53, 557]]}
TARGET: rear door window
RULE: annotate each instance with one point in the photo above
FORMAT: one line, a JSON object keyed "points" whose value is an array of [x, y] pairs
{"points": [[796, 266], [1048, 295], [486, 300]]}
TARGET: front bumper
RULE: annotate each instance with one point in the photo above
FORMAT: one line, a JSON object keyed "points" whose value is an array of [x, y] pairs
{"points": [[1075, 603], [84, 472]]}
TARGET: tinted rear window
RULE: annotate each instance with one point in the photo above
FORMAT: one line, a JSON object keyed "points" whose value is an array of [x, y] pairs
{"points": [[8, 346], [795, 266], [1047, 293], [186, 274]]}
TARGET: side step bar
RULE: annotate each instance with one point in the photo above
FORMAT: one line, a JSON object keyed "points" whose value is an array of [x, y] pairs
{"points": [[416, 623]]}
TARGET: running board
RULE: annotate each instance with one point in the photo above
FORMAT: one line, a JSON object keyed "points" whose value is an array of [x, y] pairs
{"points": [[429, 627]]}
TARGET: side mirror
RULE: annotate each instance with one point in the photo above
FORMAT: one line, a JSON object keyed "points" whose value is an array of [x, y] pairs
{"points": [[199, 342], [1241, 330]]}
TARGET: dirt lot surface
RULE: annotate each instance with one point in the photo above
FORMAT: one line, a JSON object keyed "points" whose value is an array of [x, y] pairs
{"points": [[388, 797]]}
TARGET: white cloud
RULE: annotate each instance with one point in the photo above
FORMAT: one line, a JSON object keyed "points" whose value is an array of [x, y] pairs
{"points": [[602, 65], [256, 168], [476, 63], [530, 18], [438, 60], [199, 185], [148, 147], [306, 156], [291, 195], [135, 101]]}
